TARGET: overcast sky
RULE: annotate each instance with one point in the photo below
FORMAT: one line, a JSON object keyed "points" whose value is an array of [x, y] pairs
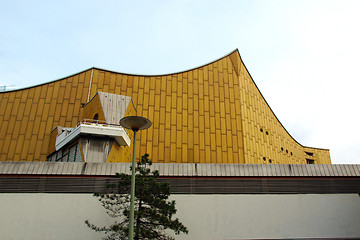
{"points": [[303, 55]]}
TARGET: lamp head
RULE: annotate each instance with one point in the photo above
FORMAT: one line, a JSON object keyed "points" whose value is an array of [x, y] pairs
{"points": [[135, 123]]}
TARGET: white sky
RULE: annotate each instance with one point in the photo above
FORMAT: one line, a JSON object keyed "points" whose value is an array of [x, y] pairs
{"points": [[303, 55]]}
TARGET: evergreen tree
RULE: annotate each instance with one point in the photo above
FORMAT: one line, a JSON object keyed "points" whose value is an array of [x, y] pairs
{"points": [[153, 211]]}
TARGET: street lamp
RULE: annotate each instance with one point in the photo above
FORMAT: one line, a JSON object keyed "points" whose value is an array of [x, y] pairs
{"points": [[135, 123]]}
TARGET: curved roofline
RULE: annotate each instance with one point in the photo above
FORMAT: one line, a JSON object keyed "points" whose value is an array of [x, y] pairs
{"points": [[272, 110], [167, 74], [127, 74], [40, 84]]}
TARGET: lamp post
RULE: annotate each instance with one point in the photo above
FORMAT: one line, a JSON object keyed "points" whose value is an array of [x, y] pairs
{"points": [[135, 123]]}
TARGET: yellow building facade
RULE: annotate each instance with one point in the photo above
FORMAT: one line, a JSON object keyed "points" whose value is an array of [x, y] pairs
{"points": [[211, 114]]}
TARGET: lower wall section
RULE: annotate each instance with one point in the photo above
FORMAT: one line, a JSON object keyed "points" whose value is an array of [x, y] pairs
{"points": [[270, 216], [49, 216], [234, 216]]}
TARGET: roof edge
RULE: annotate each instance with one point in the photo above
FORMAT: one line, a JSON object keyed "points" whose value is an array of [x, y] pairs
{"points": [[127, 74], [252, 79], [172, 73], [40, 84]]}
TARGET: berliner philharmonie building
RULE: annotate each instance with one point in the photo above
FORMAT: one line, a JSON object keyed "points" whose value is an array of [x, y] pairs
{"points": [[234, 170], [211, 114]]}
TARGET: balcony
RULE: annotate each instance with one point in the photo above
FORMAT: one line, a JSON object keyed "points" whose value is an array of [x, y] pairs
{"points": [[93, 128]]}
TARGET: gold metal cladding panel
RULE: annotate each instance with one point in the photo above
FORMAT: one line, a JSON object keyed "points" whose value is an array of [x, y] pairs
{"points": [[181, 114], [121, 153], [266, 140], [92, 108], [27, 116], [212, 114]]}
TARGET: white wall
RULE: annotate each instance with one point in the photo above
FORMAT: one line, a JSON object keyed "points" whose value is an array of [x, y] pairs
{"points": [[61, 216], [49, 216], [270, 216]]}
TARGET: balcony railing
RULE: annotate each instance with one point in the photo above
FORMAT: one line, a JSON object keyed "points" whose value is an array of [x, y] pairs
{"points": [[94, 128]]}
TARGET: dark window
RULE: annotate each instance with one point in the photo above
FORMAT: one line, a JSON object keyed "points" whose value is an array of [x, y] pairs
{"points": [[71, 154], [309, 161], [59, 155], [96, 116], [309, 153]]}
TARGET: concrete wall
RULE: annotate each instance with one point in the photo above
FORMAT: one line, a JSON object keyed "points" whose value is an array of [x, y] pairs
{"points": [[270, 216], [49, 216], [61, 216]]}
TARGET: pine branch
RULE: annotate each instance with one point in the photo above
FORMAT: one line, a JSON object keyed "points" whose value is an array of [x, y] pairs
{"points": [[153, 210]]}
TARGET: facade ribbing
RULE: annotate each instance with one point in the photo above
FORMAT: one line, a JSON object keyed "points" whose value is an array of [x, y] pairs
{"points": [[211, 114]]}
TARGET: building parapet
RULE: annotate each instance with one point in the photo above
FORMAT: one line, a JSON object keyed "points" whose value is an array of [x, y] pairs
{"points": [[182, 169]]}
